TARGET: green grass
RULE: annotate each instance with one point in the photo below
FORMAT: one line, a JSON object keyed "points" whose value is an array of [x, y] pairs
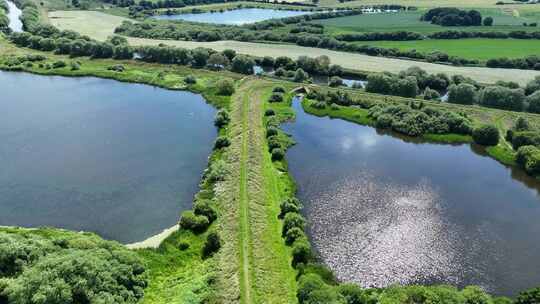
{"points": [[410, 21], [480, 49]]}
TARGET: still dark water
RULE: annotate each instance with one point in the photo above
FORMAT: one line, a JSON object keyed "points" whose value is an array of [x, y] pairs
{"points": [[118, 159], [234, 17], [382, 210]]}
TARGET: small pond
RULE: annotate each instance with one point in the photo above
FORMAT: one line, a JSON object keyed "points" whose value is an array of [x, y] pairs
{"points": [[15, 24], [234, 17], [385, 210], [122, 160]]}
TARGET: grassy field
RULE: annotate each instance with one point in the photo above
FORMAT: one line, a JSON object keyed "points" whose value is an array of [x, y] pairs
{"points": [[100, 26], [410, 21], [481, 49], [423, 3]]}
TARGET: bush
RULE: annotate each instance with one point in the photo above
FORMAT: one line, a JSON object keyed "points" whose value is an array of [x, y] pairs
{"points": [[384, 121], [217, 171], [190, 79], [196, 223], [529, 296], [225, 87], [271, 131], [335, 81], [274, 143], [222, 118], [475, 295], [183, 245], [502, 98], [276, 97], [116, 68], [525, 138], [301, 252], [75, 66], [486, 135], [203, 207], [292, 220], [242, 64], [269, 112], [277, 154], [221, 142], [488, 21], [462, 93], [319, 105], [289, 205], [294, 234], [430, 94], [212, 244], [534, 102], [59, 64], [278, 89], [300, 76]]}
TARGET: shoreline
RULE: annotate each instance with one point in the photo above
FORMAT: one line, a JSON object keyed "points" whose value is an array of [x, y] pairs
{"points": [[155, 240]]}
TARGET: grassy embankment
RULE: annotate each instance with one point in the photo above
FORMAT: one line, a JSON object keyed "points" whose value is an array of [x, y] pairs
{"points": [[99, 26], [248, 200]]}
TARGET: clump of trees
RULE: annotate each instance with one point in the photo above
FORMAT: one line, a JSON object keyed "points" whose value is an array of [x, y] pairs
{"points": [[450, 16], [486, 135], [67, 267]]}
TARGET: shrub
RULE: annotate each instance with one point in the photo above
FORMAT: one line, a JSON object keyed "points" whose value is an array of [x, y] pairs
{"points": [[488, 21], [384, 121], [269, 112], [276, 97], [278, 89], [300, 76], [319, 105], [225, 87], [502, 98], [294, 234], [203, 207], [524, 153], [221, 142], [529, 296], [534, 102], [289, 205], [59, 64], [75, 66], [271, 131], [242, 64], [116, 68], [430, 94], [196, 223], [183, 245], [475, 295], [301, 252], [353, 294], [462, 93], [486, 135], [274, 143], [277, 154], [292, 220], [335, 81], [190, 79], [525, 138], [212, 244], [306, 285], [217, 171], [222, 118]]}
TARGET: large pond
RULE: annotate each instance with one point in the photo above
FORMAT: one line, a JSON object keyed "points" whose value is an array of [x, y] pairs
{"points": [[384, 210], [15, 24], [118, 159], [235, 17]]}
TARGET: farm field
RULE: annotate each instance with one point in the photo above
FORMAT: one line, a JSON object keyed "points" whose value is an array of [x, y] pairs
{"points": [[410, 21], [86, 22], [481, 49], [421, 3]]}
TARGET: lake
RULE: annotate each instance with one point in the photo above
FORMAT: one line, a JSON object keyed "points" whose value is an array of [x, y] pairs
{"points": [[15, 24], [122, 160], [234, 17], [385, 210]]}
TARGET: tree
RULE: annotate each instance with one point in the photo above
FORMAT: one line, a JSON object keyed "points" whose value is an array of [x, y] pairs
{"points": [[534, 102], [292, 220], [200, 57], [462, 93], [243, 64], [407, 87], [430, 94], [502, 98], [217, 61], [222, 118], [203, 207], [379, 83], [335, 81], [225, 87], [486, 135], [212, 244], [196, 223], [230, 54], [488, 21], [300, 75], [301, 252], [221, 142]]}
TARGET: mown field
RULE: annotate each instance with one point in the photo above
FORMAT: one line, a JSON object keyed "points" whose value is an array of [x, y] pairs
{"points": [[481, 49], [99, 26]]}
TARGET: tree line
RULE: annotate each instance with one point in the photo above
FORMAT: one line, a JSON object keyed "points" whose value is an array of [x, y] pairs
{"points": [[451, 16], [4, 19]]}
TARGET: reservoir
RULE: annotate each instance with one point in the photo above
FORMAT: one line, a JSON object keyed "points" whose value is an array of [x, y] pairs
{"points": [[122, 160], [385, 210], [234, 17]]}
